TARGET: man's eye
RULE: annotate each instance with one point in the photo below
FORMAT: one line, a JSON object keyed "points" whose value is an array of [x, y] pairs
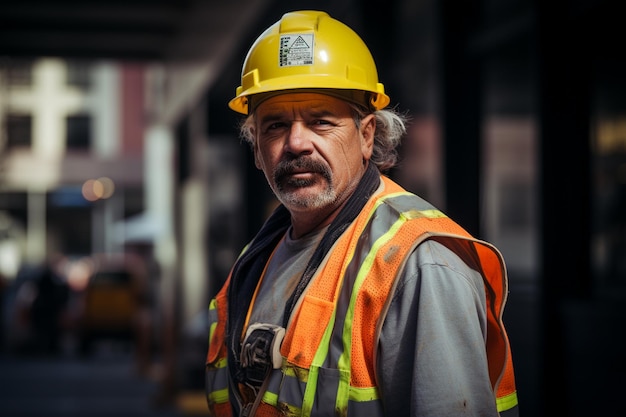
{"points": [[276, 125], [322, 122]]}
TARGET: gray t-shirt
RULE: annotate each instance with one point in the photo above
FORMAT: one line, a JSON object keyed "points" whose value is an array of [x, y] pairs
{"points": [[281, 276]]}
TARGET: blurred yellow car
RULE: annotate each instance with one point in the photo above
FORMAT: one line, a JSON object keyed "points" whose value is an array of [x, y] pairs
{"points": [[110, 305]]}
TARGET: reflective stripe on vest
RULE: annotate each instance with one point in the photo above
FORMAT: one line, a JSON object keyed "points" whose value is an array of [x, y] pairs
{"points": [[330, 344], [216, 375]]}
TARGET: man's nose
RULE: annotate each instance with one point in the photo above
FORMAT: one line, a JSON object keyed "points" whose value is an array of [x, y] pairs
{"points": [[298, 140]]}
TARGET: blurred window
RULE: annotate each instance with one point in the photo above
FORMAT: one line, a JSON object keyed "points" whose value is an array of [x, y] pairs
{"points": [[79, 74], [78, 131], [510, 170], [20, 73], [609, 176], [19, 130], [515, 208]]}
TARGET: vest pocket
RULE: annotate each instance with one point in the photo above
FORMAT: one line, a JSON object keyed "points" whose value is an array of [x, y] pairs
{"points": [[317, 392], [305, 332], [331, 392]]}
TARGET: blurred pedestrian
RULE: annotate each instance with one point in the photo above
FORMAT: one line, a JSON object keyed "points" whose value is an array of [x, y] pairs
{"points": [[49, 305]]}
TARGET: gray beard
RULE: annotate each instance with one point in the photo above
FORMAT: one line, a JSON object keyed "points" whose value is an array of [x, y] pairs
{"points": [[291, 198]]}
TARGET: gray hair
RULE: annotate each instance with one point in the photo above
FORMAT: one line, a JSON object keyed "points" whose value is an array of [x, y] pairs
{"points": [[390, 129]]}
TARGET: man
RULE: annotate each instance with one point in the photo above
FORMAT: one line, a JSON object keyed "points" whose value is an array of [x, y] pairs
{"points": [[356, 298]]}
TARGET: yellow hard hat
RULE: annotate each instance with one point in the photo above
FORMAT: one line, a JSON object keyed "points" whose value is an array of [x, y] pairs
{"points": [[308, 50]]}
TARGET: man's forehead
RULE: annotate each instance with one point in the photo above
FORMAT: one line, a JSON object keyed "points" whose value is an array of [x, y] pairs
{"points": [[312, 101]]}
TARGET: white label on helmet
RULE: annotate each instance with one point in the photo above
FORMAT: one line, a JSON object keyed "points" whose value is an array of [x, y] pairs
{"points": [[295, 50]]}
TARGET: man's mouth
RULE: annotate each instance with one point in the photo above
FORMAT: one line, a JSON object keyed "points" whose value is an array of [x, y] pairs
{"points": [[300, 174], [297, 179]]}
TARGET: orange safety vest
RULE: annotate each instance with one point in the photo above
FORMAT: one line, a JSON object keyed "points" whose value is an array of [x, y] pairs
{"points": [[329, 347]]}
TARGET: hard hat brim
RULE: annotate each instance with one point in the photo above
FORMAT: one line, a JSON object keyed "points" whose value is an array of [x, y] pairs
{"points": [[286, 85]]}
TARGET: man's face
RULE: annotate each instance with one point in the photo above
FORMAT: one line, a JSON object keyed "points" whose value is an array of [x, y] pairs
{"points": [[310, 149]]}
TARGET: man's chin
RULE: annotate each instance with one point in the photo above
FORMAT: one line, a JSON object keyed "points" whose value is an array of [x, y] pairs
{"points": [[305, 198], [299, 197]]}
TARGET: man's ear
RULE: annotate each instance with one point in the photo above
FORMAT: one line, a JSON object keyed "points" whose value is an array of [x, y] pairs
{"points": [[257, 160], [255, 150], [367, 130]]}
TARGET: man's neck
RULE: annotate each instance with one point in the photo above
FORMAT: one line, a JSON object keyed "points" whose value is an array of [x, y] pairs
{"points": [[303, 223]]}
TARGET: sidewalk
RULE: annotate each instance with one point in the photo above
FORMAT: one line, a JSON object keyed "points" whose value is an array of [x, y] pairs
{"points": [[103, 385]]}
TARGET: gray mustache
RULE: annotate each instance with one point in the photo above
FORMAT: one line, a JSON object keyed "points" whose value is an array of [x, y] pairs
{"points": [[285, 168]]}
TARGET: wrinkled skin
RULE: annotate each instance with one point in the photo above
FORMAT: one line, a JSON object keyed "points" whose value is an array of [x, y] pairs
{"points": [[312, 153]]}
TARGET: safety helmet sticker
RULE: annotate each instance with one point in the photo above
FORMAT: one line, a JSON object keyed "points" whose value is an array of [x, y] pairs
{"points": [[296, 49]]}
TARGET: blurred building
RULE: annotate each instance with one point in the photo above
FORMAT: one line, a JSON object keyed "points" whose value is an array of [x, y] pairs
{"points": [[71, 155], [95, 158]]}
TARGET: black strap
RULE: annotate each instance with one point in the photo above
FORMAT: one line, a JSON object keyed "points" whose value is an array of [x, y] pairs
{"points": [[245, 276]]}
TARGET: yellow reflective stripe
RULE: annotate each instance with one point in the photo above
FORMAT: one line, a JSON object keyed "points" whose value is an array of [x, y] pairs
{"points": [[318, 360], [301, 374], [212, 330], [412, 214], [430, 214], [309, 392], [507, 402], [218, 397], [221, 363], [212, 308], [322, 350], [363, 394], [270, 398], [322, 353], [344, 359]]}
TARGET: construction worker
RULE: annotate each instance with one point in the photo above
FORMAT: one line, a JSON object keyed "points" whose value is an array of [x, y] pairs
{"points": [[356, 297]]}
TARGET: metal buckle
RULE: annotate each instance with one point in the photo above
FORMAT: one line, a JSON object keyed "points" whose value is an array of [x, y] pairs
{"points": [[260, 351]]}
